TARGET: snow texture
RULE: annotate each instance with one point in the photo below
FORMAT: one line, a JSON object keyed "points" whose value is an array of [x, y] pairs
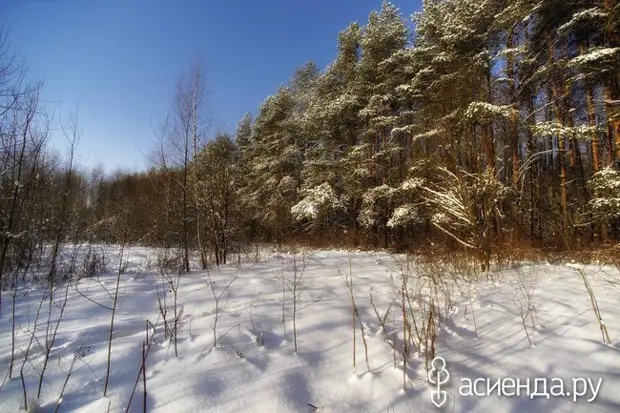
{"points": [[256, 370]]}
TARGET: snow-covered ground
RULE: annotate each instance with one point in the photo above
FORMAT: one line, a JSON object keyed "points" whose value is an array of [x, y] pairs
{"points": [[481, 337]]}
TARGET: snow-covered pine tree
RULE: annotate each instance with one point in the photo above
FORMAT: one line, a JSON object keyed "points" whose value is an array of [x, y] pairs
{"points": [[332, 122], [380, 71]]}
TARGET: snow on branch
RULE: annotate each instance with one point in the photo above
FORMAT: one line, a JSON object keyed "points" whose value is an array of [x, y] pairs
{"points": [[597, 57], [404, 215], [592, 16], [425, 135], [582, 132], [606, 185], [514, 51], [412, 184], [316, 201], [374, 202], [401, 130], [383, 121], [485, 113]]}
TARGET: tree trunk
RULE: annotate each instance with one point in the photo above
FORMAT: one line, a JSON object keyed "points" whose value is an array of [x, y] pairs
{"points": [[594, 145], [514, 137], [203, 257], [592, 122], [534, 187], [561, 159], [613, 144]]}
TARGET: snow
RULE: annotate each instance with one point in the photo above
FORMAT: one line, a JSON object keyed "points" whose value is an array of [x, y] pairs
{"points": [[593, 16], [411, 184], [373, 202], [401, 130], [548, 128], [287, 183], [608, 179], [596, 56], [605, 185], [320, 198], [484, 112], [403, 215], [480, 335], [511, 51], [406, 88], [433, 133]]}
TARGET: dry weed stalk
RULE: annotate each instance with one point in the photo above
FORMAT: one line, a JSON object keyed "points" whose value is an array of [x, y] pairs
{"points": [[219, 308], [29, 347], [421, 297], [295, 288], [595, 307], [171, 268], [382, 320], [523, 301], [51, 338], [111, 332], [348, 280], [146, 347]]}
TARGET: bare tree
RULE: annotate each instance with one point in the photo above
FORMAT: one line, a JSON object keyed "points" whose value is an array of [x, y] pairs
{"points": [[21, 147], [218, 182], [182, 137], [200, 127], [11, 75], [72, 134]]}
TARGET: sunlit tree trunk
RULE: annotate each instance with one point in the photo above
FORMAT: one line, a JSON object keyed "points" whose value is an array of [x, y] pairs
{"points": [[561, 157]]}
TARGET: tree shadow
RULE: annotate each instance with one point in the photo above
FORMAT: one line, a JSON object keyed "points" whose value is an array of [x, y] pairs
{"points": [[297, 391]]}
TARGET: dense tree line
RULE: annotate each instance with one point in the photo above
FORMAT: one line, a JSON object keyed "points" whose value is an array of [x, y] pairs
{"points": [[492, 122]]}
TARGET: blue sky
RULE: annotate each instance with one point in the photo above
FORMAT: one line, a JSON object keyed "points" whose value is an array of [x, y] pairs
{"points": [[119, 60]]}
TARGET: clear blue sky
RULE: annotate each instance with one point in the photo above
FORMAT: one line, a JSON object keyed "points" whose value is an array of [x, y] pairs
{"points": [[119, 60]]}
